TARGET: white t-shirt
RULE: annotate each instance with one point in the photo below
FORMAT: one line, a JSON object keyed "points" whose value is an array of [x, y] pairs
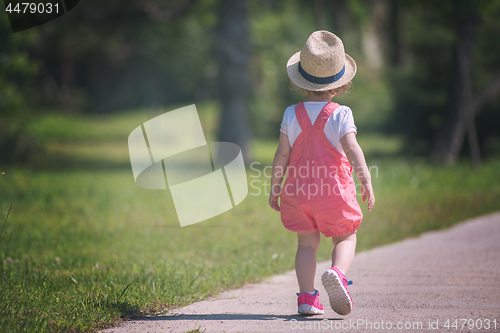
{"points": [[340, 123]]}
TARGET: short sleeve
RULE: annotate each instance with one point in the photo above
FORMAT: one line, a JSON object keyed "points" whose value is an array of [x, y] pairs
{"points": [[284, 126], [287, 120], [346, 122]]}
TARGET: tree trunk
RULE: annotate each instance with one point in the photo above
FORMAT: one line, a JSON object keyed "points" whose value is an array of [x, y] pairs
{"points": [[319, 14], [460, 119], [232, 53], [464, 54], [340, 17], [372, 36], [394, 33]]}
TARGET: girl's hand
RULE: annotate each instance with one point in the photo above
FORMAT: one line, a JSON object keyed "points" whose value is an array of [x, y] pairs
{"points": [[273, 197], [367, 194]]}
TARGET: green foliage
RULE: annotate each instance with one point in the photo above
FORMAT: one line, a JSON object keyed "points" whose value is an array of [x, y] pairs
{"points": [[182, 49], [17, 68], [106, 56], [422, 87], [277, 33]]}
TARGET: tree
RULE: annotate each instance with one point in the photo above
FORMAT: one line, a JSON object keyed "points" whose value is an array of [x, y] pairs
{"points": [[446, 76], [463, 106], [232, 54], [17, 72]]}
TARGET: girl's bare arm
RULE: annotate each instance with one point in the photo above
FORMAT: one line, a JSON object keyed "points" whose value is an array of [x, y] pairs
{"points": [[357, 159], [281, 159]]}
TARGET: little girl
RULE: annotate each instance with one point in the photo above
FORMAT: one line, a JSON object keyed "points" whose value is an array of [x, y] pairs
{"points": [[318, 150]]}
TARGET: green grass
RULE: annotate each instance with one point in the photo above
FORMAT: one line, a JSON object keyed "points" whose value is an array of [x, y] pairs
{"points": [[84, 246]]}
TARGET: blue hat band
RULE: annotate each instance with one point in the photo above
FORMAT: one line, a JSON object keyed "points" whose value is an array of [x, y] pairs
{"points": [[321, 80]]}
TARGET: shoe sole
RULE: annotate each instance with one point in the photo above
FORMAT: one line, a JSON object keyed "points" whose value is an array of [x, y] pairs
{"points": [[339, 299], [309, 310]]}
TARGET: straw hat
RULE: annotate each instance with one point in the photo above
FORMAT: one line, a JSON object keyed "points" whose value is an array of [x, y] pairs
{"points": [[322, 64]]}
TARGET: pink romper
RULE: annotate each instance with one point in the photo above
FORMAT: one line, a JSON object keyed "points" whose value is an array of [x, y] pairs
{"points": [[319, 192]]}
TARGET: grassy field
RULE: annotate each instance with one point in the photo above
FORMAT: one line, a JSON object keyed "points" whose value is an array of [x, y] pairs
{"points": [[84, 246]]}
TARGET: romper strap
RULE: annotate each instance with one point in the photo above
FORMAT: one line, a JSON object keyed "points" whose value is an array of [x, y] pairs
{"points": [[302, 117], [325, 113]]}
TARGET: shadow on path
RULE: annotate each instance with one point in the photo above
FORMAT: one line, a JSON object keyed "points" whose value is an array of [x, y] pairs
{"points": [[233, 316]]}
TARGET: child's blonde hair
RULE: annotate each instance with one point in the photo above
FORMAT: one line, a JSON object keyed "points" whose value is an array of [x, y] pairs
{"points": [[336, 92]]}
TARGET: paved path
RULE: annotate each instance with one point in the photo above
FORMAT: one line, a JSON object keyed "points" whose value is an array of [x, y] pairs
{"points": [[422, 282]]}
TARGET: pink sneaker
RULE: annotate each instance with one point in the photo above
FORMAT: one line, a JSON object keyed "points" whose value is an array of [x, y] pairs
{"points": [[309, 304], [335, 284]]}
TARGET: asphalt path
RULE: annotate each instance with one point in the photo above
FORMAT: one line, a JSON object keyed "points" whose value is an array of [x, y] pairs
{"points": [[442, 281]]}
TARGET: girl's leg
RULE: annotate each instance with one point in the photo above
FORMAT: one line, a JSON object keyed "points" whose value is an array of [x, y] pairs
{"points": [[343, 252], [305, 259]]}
